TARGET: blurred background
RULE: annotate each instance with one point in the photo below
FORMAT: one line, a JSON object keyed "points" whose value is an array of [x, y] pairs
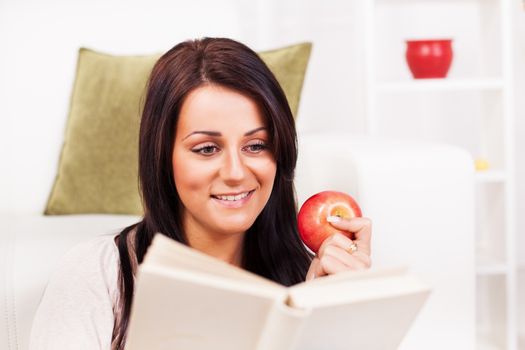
{"points": [[358, 81]]}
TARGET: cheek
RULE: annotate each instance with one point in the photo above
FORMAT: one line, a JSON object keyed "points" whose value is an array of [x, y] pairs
{"points": [[265, 172], [271, 172], [186, 183]]}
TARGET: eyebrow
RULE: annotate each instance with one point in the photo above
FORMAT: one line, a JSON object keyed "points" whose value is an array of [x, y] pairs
{"points": [[216, 133]]}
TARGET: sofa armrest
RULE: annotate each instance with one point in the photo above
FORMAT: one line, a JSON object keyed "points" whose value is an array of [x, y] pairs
{"points": [[420, 197], [31, 247]]}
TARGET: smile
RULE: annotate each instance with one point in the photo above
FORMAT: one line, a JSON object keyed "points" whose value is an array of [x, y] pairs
{"points": [[233, 201], [233, 197]]}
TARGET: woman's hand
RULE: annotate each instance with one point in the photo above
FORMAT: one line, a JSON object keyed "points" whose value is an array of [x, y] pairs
{"points": [[335, 254]]}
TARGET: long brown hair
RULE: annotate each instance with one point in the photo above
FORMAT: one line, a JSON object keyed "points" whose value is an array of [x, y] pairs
{"points": [[272, 247]]}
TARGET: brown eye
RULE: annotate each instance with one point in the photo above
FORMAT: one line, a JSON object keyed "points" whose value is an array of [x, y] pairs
{"points": [[207, 150], [257, 147]]}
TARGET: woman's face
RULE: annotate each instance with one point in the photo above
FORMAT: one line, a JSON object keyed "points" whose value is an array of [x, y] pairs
{"points": [[223, 169]]}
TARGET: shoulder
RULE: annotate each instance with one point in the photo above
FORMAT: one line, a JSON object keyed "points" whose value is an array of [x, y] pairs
{"points": [[92, 263], [78, 302], [97, 251]]}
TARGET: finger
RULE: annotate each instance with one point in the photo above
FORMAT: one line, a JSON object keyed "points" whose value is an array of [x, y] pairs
{"points": [[360, 227], [363, 259], [353, 261], [337, 239], [314, 269], [330, 265]]}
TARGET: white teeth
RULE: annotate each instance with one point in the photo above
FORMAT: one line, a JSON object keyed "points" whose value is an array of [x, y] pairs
{"points": [[234, 198]]}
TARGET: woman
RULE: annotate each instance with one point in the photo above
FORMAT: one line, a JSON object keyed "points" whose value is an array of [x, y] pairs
{"points": [[217, 154]]}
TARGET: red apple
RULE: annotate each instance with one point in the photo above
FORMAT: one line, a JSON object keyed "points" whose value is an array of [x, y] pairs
{"points": [[311, 220]]}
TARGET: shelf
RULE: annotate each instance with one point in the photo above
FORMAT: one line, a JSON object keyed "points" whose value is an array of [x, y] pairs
{"points": [[488, 265], [474, 25], [438, 85], [485, 344], [472, 108], [490, 176], [487, 269]]}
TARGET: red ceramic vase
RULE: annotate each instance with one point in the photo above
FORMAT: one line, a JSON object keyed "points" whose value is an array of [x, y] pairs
{"points": [[429, 58]]}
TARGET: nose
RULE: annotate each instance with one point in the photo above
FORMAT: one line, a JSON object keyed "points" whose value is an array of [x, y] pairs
{"points": [[233, 169]]}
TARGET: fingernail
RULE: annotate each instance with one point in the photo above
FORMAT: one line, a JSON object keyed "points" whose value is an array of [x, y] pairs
{"points": [[333, 218]]}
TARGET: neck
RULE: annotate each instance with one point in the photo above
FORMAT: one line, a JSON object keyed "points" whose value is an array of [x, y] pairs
{"points": [[227, 248]]}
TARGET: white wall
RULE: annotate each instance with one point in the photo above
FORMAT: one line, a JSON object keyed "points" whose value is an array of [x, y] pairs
{"points": [[39, 42]]}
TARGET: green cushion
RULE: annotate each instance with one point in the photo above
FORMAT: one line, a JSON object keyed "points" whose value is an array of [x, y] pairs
{"points": [[289, 66], [97, 172]]}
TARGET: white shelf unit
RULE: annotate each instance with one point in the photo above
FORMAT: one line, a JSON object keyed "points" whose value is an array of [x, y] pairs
{"points": [[440, 85], [471, 108]]}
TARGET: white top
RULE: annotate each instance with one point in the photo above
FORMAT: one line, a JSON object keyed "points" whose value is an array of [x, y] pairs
{"points": [[78, 305]]}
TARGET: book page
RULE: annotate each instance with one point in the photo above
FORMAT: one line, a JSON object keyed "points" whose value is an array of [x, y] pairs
{"points": [[354, 286], [178, 309], [167, 252], [369, 310], [187, 300], [374, 324]]}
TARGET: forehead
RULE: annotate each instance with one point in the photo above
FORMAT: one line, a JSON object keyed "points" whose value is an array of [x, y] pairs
{"points": [[212, 107]]}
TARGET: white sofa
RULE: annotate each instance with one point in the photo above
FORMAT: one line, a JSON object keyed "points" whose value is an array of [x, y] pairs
{"points": [[419, 196]]}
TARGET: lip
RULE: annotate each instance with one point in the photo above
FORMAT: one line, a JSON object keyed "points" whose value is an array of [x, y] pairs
{"points": [[233, 204]]}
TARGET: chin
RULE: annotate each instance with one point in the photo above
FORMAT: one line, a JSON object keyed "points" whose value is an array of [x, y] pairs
{"points": [[235, 227]]}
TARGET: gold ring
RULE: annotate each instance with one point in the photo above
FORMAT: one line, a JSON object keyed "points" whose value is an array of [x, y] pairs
{"points": [[353, 248]]}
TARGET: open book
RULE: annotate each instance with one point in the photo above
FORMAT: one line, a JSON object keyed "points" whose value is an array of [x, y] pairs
{"points": [[187, 300]]}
